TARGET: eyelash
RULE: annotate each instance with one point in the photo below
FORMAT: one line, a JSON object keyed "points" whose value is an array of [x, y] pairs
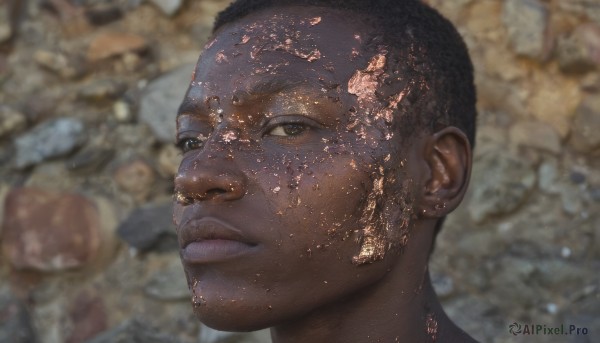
{"points": [[279, 122], [283, 121]]}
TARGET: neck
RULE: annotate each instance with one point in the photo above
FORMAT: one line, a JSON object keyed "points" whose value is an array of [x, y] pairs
{"points": [[401, 307]]}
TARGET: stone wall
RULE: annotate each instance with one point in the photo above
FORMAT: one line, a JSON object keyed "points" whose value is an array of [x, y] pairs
{"points": [[88, 94]]}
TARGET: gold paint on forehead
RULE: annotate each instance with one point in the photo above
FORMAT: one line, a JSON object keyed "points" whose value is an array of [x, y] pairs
{"points": [[364, 83]]}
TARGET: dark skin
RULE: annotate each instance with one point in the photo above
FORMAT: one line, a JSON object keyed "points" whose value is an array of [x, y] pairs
{"points": [[297, 206]]}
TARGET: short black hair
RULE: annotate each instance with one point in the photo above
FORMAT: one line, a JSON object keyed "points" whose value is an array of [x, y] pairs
{"points": [[437, 55], [429, 51]]}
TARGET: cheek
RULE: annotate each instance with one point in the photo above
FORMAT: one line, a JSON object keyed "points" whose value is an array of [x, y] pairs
{"points": [[318, 199]]}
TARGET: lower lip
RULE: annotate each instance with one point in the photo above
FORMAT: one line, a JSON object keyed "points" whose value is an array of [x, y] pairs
{"points": [[214, 250]]}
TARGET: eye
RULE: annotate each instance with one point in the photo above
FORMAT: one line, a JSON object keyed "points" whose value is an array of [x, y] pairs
{"points": [[287, 130], [188, 144]]}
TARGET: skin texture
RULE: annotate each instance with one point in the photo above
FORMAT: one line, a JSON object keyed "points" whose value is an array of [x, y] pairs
{"points": [[290, 149]]}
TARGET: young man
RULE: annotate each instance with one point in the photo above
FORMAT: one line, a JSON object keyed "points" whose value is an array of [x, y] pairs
{"points": [[324, 142]]}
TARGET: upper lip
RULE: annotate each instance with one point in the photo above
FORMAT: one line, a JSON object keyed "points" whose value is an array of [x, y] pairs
{"points": [[209, 228]]}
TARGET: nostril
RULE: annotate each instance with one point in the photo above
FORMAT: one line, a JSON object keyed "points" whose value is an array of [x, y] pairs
{"points": [[183, 199], [214, 192]]}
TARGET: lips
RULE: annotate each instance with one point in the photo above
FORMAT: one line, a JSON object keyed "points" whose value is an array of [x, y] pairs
{"points": [[208, 240]]}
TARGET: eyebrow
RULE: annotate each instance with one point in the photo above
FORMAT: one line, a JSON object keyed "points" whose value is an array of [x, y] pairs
{"points": [[252, 91]]}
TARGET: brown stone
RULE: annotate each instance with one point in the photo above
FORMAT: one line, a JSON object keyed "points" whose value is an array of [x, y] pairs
{"points": [[586, 125], [169, 159], [48, 231], [11, 121], [88, 315], [536, 135], [580, 52], [112, 44], [136, 178], [554, 100]]}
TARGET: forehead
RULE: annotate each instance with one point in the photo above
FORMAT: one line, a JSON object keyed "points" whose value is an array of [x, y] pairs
{"points": [[295, 43]]}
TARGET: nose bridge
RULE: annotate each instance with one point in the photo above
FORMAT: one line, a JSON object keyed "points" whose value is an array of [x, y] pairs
{"points": [[210, 175]]}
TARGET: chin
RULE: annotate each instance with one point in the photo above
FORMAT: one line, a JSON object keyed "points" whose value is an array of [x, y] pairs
{"points": [[234, 319]]}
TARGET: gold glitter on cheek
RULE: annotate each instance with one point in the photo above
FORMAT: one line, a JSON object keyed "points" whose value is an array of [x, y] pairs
{"points": [[431, 326], [374, 242]]}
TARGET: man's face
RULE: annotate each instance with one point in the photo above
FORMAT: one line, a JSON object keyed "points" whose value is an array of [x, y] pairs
{"points": [[294, 191]]}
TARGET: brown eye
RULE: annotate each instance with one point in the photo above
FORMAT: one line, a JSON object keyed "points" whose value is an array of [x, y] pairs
{"points": [[188, 144], [288, 130]]}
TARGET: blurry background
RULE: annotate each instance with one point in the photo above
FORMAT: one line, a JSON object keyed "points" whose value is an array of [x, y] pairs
{"points": [[88, 93]]}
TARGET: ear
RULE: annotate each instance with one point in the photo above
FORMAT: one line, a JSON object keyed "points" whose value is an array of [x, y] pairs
{"points": [[448, 156]]}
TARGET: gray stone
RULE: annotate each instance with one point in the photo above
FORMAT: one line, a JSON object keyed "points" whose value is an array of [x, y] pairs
{"points": [[168, 283], [577, 177], [580, 51], [161, 99], [443, 285], [526, 22], [536, 135], [51, 139], [11, 121], [548, 177], [134, 331], [586, 125], [572, 200], [15, 322], [501, 183], [149, 228], [169, 7], [90, 159]]}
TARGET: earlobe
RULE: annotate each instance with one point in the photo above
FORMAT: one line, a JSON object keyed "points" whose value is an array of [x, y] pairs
{"points": [[448, 156]]}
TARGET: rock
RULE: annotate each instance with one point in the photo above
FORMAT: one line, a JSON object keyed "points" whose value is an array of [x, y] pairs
{"points": [[169, 159], [15, 322], [50, 139], [67, 67], [168, 283], [161, 100], [586, 125], [168, 7], [47, 231], [111, 44], [90, 159], [122, 112], [526, 22], [572, 200], [548, 177], [553, 100], [102, 91], [580, 51], [149, 228], [443, 285], [501, 183], [133, 331], [11, 121], [536, 135], [103, 14], [5, 28], [88, 317], [136, 178], [577, 177]]}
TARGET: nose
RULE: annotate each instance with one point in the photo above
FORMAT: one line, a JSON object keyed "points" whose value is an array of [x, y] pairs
{"points": [[210, 181]]}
